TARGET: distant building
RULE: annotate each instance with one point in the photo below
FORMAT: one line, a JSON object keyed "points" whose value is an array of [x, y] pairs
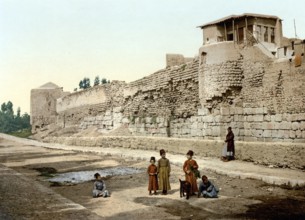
{"points": [[43, 105]]}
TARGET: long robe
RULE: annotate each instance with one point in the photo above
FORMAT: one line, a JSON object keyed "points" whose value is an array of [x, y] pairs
{"points": [[230, 144], [164, 170], [190, 165], [152, 177]]}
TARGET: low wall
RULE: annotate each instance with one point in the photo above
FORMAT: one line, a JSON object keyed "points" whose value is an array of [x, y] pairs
{"points": [[276, 154]]}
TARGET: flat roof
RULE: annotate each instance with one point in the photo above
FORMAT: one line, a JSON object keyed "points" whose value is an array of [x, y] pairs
{"points": [[237, 16]]}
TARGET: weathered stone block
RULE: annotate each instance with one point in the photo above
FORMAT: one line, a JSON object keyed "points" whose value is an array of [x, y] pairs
{"points": [[107, 113], [278, 117], [286, 117], [267, 133], [280, 134], [247, 125], [227, 119], [249, 118], [257, 126], [295, 126], [239, 110], [285, 125], [298, 134], [203, 111], [217, 118], [209, 118], [224, 111], [125, 121], [248, 111], [200, 125], [292, 134], [194, 125], [248, 132], [258, 118], [267, 126], [99, 118], [302, 125], [286, 134], [259, 111], [117, 109], [232, 111], [267, 118], [241, 132], [276, 125], [236, 117], [215, 131], [208, 132]]}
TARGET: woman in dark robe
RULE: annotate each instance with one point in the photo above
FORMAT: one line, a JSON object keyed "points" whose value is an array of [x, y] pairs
{"points": [[230, 145]]}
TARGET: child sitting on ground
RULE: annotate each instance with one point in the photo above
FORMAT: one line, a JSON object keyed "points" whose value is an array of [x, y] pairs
{"points": [[207, 189], [99, 188]]}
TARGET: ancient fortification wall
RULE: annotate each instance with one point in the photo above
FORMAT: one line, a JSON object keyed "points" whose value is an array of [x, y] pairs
{"points": [[261, 98], [95, 102]]}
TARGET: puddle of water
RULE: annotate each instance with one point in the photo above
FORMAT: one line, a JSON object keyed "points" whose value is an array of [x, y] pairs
{"points": [[84, 176]]}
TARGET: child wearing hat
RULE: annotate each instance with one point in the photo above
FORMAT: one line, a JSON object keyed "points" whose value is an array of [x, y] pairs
{"points": [[190, 167], [152, 176]]}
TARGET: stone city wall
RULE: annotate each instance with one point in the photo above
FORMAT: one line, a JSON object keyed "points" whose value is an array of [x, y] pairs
{"points": [[76, 108], [149, 104], [260, 97]]}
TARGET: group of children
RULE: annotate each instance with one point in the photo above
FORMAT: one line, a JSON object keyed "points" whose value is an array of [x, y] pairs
{"points": [[158, 178]]}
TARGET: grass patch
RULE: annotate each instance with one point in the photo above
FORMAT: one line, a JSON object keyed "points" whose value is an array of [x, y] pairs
{"points": [[24, 133]]}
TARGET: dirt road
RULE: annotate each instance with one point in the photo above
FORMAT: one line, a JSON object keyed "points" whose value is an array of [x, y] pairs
{"points": [[26, 193]]}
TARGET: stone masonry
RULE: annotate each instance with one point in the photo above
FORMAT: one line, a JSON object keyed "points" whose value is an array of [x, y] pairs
{"points": [[261, 96]]}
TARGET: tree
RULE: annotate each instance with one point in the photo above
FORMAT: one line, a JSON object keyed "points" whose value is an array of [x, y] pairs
{"points": [[9, 108], [81, 85], [104, 81], [96, 81], [85, 83], [3, 107], [12, 123], [18, 112]]}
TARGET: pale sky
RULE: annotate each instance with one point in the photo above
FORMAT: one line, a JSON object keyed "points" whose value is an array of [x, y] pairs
{"points": [[63, 41]]}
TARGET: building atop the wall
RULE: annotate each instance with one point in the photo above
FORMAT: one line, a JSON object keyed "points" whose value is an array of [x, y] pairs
{"points": [[43, 105], [246, 29]]}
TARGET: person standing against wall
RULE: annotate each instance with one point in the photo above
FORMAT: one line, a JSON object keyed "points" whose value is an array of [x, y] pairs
{"points": [[230, 145]]}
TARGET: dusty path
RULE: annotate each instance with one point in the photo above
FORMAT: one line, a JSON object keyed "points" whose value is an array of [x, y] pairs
{"points": [[27, 195]]}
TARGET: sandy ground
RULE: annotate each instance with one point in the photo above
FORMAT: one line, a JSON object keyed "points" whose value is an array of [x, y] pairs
{"points": [[26, 193]]}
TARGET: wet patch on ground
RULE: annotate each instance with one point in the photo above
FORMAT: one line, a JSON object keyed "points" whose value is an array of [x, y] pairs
{"points": [[84, 176]]}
